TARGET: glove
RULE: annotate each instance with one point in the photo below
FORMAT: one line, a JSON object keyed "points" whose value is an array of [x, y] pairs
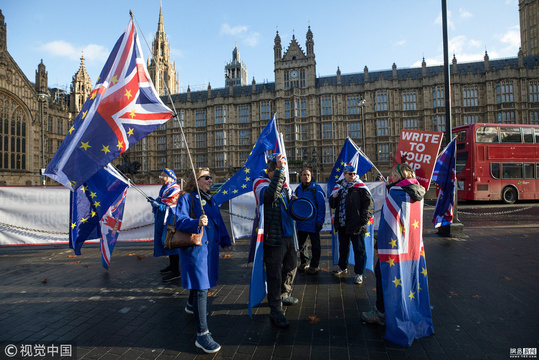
{"points": [[162, 207], [318, 227], [155, 204]]}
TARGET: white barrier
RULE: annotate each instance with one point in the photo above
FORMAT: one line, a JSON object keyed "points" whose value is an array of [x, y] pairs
{"points": [[242, 209], [38, 215]]}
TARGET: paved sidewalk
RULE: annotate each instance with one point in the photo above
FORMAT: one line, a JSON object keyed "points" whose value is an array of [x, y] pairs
{"points": [[484, 296]]}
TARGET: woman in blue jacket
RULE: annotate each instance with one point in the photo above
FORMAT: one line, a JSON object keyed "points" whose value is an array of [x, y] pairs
{"points": [[200, 264]]}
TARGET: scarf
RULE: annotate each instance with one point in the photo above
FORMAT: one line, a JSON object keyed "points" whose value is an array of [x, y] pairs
{"points": [[342, 206]]}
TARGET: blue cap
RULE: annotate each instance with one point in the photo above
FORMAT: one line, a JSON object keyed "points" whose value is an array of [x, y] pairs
{"points": [[170, 173], [273, 157], [349, 168]]}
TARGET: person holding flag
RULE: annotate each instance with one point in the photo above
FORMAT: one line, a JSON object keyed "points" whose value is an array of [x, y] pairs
{"points": [[168, 197], [402, 297], [353, 206], [280, 255], [200, 264]]}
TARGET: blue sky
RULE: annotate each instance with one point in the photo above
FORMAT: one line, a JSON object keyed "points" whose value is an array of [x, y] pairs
{"points": [[202, 34]]}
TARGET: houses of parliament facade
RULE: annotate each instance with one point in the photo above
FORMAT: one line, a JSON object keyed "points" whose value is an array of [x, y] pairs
{"points": [[315, 114]]}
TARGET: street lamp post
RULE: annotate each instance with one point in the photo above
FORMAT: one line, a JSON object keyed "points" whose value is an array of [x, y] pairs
{"points": [[42, 97], [314, 162]]}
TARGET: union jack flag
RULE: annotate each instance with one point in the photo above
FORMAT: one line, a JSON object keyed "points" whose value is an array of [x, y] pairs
{"points": [[258, 287], [445, 175], [111, 224], [122, 109], [404, 272]]}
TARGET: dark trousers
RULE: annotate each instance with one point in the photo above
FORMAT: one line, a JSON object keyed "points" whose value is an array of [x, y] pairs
{"points": [[358, 244], [199, 299], [379, 289], [281, 263], [315, 247], [174, 263]]}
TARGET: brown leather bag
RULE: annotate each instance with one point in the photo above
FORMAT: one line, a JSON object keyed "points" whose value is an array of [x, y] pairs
{"points": [[178, 239]]}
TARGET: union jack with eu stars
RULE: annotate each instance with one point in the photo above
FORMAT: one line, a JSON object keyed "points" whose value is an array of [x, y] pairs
{"points": [[121, 110]]}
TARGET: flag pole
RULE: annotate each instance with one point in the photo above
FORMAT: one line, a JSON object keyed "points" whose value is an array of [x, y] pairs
{"points": [[175, 116], [363, 154]]}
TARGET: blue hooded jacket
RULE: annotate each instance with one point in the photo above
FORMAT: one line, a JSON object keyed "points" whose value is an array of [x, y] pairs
{"points": [[319, 201]]}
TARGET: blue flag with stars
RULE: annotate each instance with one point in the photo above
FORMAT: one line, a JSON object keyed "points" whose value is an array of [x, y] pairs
{"points": [[90, 203], [242, 181], [122, 109]]}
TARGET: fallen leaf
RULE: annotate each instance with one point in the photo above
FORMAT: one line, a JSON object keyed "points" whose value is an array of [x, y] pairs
{"points": [[476, 296], [71, 255], [211, 293], [131, 254], [86, 266], [326, 270], [313, 319], [44, 281], [227, 255], [507, 278], [75, 262], [453, 293]]}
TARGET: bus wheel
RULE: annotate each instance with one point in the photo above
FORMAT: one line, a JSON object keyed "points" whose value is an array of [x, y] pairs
{"points": [[509, 195]]}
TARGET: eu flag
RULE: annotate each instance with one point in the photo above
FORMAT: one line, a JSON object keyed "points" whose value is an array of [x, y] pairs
{"points": [[90, 203], [242, 181], [403, 269], [445, 176], [122, 109]]}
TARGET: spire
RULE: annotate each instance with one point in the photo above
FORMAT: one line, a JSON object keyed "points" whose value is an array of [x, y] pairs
{"points": [[161, 24]]}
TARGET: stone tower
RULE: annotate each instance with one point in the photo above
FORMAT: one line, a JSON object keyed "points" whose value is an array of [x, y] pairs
{"points": [[295, 69], [3, 33], [42, 79], [528, 11], [235, 71], [162, 72], [81, 87]]}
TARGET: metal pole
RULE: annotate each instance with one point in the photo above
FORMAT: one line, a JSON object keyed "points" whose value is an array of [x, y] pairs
{"points": [[455, 229]]}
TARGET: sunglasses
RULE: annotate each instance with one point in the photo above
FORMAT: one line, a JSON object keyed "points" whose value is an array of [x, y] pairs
{"points": [[206, 177]]}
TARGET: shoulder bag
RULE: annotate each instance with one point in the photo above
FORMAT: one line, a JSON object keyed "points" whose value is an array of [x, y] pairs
{"points": [[178, 239]]}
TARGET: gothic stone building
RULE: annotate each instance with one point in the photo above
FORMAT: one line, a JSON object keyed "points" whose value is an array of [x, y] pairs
{"points": [[316, 114]]}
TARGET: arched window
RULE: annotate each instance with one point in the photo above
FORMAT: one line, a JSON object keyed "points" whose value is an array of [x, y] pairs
{"points": [[23, 162], [13, 161]]}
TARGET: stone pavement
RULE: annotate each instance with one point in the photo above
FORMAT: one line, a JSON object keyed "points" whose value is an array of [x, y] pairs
{"points": [[484, 296]]}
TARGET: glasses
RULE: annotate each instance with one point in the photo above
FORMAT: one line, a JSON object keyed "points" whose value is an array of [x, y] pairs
{"points": [[206, 177]]}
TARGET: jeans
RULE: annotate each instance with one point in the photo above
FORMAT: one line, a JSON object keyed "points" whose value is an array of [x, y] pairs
{"points": [[199, 299], [281, 266], [358, 244], [315, 247]]}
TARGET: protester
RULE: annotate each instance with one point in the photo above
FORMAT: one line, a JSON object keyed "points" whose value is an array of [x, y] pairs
{"points": [[353, 206], [311, 190], [401, 176], [200, 264], [280, 255], [168, 197]]}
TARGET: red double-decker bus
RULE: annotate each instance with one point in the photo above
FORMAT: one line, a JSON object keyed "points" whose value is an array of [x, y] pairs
{"points": [[497, 162]]}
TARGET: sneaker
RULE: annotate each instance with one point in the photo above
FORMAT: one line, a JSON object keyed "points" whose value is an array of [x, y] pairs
{"points": [[358, 279], [313, 270], [189, 308], [374, 317], [303, 266], [206, 343], [339, 272], [278, 319], [290, 301], [166, 270], [171, 276]]}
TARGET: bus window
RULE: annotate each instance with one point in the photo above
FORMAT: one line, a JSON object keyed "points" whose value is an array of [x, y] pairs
{"points": [[512, 171], [461, 136], [462, 159], [495, 170], [528, 171], [510, 135], [487, 134], [528, 135], [537, 136]]}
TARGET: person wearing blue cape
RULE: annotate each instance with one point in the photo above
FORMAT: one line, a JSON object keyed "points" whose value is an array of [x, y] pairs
{"points": [[168, 197]]}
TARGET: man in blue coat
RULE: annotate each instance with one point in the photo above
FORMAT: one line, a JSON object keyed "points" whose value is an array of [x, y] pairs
{"points": [[311, 228]]}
